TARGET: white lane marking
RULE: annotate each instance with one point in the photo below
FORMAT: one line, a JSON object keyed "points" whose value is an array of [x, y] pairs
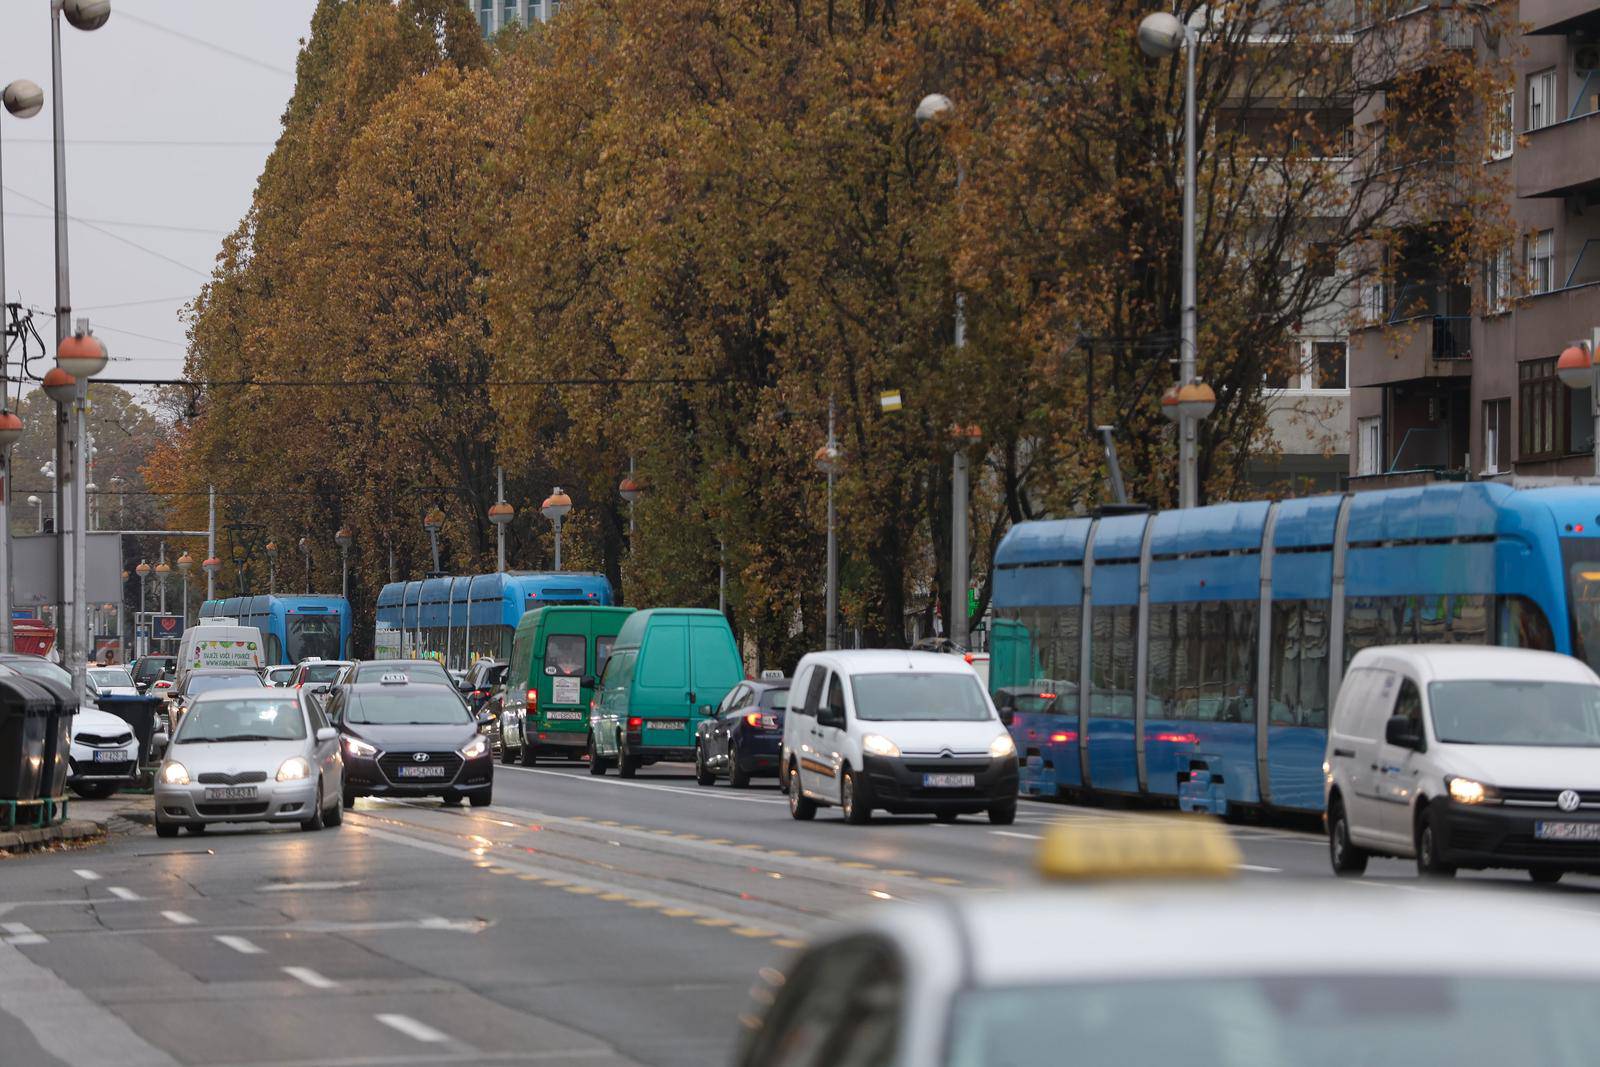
{"points": [[311, 978], [240, 944], [179, 918], [16, 928], [1010, 833], [411, 1028], [86, 874], [123, 894], [691, 791], [295, 887], [1256, 867], [69, 1026], [21, 934]]}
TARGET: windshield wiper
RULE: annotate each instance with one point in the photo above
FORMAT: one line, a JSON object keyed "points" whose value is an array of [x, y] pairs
{"points": [[245, 737]]}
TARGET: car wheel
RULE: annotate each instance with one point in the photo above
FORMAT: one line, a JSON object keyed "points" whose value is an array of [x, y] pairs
{"points": [[855, 800], [628, 765], [702, 775], [526, 756], [1545, 875], [196, 827], [1003, 814], [316, 822], [349, 798], [1347, 860], [166, 829], [94, 790], [507, 753], [1429, 865], [946, 816], [451, 800], [483, 799], [738, 777], [597, 766], [801, 807], [335, 814]]}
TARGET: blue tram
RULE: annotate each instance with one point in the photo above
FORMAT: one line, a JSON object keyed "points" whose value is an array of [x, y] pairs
{"points": [[461, 619], [292, 627], [1146, 652]]}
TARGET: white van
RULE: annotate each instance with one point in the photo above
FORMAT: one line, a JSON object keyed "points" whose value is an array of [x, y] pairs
{"points": [[1465, 757], [212, 644], [901, 731]]}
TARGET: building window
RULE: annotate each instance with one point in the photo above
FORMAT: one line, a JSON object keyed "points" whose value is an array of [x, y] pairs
{"points": [[1541, 261], [1496, 436], [486, 17], [509, 13], [1497, 282], [1554, 420], [1369, 445], [1503, 129], [1541, 99], [1374, 300], [1284, 371], [1328, 361]]}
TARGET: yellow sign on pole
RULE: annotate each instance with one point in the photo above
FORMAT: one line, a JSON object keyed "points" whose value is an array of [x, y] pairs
{"points": [[889, 401]]}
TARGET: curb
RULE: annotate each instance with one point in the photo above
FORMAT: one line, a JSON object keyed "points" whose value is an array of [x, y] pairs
{"points": [[29, 838]]}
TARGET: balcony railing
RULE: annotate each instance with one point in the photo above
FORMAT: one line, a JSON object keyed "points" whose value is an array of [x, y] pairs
{"points": [[1434, 303], [1586, 268]]}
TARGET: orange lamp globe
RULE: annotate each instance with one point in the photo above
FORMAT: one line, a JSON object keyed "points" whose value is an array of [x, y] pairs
{"points": [[1575, 368], [10, 429]]}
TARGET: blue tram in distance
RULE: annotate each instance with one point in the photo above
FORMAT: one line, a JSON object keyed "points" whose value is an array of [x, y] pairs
{"points": [[293, 628], [1145, 653], [461, 619]]}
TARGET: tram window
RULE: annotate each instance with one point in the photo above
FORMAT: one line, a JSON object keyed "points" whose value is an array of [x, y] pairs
{"points": [[1111, 658], [1298, 681], [1522, 624], [1159, 686]]}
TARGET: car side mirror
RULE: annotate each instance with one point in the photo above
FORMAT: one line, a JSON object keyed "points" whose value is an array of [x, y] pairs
{"points": [[707, 710], [1007, 716], [322, 690], [828, 717], [327, 733], [590, 681], [1399, 733], [485, 717]]}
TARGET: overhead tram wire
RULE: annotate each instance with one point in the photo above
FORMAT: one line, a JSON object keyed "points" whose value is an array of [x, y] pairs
{"points": [[406, 383], [114, 236]]}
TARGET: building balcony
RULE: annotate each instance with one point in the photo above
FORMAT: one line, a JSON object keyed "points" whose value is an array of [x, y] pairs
{"points": [[1548, 322], [1426, 334], [1420, 38], [1560, 16], [1562, 159]]}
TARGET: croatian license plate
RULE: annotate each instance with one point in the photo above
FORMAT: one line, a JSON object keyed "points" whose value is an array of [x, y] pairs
{"points": [[420, 770], [666, 724], [111, 757], [566, 690], [559, 716], [1567, 831], [949, 781], [231, 792]]}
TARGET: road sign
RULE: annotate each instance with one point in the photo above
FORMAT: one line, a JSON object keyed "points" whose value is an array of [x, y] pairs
{"points": [[890, 400], [166, 626]]}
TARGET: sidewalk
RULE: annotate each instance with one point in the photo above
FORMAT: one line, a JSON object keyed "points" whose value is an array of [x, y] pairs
{"points": [[90, 822]]}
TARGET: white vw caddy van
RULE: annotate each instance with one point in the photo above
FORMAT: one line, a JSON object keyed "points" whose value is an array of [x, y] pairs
{"points": [[1464, 756], [900, 731]]}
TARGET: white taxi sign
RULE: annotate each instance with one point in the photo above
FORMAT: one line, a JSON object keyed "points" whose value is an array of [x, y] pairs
{"points": [[393, 679], [1153, 847], [772, 676]]}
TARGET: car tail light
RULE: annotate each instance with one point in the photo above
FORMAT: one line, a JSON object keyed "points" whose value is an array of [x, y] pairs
{"points": [[635, 722], [754, 718], [1065, 735], [533, 700]]}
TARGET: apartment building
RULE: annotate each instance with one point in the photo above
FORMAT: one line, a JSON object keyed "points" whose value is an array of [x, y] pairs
{"points": [[1453, 373], [495, 15]]}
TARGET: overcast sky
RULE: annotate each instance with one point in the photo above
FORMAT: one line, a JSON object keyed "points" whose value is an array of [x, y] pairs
{"points": [[171, 109]]}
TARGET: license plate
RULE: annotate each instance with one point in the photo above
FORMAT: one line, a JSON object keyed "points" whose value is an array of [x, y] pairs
{"points": [[1567, 831], [111, 757], [420, 770], [667, 724], [568, 716], [566, 690], [949, 781], [231, 792]]}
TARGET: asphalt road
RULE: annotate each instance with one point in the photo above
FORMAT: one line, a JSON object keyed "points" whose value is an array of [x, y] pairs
{"points": [[578, 920]]}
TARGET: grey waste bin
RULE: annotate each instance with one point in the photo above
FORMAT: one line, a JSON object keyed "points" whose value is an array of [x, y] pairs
{"points": [[24, 718], [57, 737]]}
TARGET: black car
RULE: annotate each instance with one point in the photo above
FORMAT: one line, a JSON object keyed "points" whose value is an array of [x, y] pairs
{"points": [[148, 670], [745, 737], [486, 676], [409, 739]]}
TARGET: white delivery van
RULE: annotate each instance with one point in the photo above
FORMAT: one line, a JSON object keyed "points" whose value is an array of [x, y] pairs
{"points": [[212, 644], [902, 731], [1463, 756]]}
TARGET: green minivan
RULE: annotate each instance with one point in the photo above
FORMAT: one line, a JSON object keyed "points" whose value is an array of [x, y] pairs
{"points": [[669, 667], [557, 656]]}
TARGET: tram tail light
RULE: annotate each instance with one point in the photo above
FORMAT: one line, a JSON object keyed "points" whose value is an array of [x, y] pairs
{"points": [[1178, 739], [1064, 736]]}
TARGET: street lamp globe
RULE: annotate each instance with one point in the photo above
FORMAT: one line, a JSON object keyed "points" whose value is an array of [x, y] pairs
{"points": [[1196, 400], [827, 459], [433, 521], [33, 498], [82, 354], [10, 429], [143, 569], [344, 537], [1160, 35], [500, 513], [933, 106], [23, 98], [630, 489], [185, 564], [1575, 368], [212, 565], [86, 14], [1169, 404], [272, 550], [163, 569], [59, 385], [556, 505]]}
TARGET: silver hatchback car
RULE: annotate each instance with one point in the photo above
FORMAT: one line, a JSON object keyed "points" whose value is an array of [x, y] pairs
{"points": [[250, 755]]}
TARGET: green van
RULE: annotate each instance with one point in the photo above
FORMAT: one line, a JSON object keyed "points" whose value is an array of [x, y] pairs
{"points": [[669, 667], [557, 656]]}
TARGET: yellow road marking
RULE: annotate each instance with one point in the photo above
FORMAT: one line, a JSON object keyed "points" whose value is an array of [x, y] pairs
{"points": [[718, 841], [857, 865], [899, 873], [644, 904], [788, 942], [784, 852], [613, 896], [715, 922], [752, 931], [690, 837], [609, 822], [946, 881], [582, 890], [678, 913], [529, 878]]}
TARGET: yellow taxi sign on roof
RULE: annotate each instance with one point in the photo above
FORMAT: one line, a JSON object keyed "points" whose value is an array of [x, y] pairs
{"points": [[1154, 847]]}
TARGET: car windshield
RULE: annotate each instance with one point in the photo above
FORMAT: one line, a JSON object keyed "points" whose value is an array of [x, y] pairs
{"points": [[321, 672], [942, 696], [414, 670], [1562, 714], [398, 705], [775, 699], [248, 719], [206, 683], [494, 676], [150, 668], [1316, 1021], [41, 670], [108, 677]]}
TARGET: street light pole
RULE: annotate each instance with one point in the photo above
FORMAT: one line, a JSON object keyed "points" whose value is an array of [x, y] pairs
{"points": [[555, 508], [827, 461], [343, 539], [500, 513], [185, 565], [272, 567]]}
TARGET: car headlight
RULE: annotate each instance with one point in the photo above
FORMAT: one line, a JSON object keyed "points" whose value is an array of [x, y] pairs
{"points": [[294, 769], [357, 747], [1467, 791], [878, 745], [478, 746], [1002, 746], [174, 773]]}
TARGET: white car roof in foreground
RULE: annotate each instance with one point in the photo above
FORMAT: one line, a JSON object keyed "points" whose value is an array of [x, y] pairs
{"points": [[888, 661], [253, 692], [1206, 929], [1447, 663]]}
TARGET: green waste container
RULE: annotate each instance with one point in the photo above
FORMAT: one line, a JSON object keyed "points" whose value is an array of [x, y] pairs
{"points": [[24, 719]]}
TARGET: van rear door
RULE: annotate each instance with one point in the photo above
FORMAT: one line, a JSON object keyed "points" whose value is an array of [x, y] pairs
{"points": [[714, 662]]}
